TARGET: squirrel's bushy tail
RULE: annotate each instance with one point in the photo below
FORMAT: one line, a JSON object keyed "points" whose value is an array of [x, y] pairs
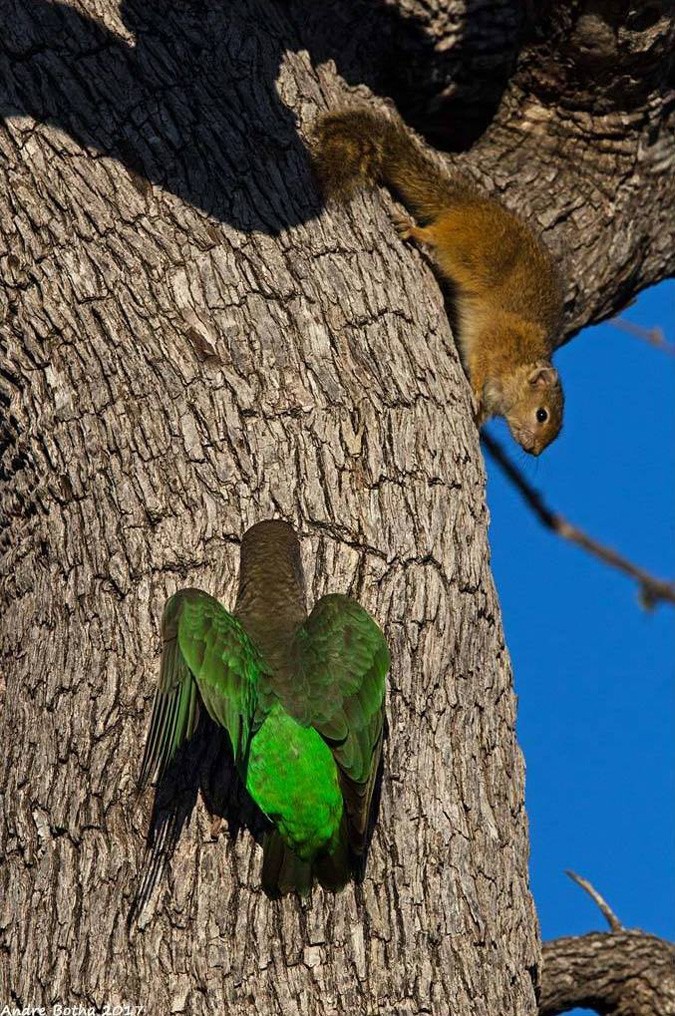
{"points": [[358, 148]]}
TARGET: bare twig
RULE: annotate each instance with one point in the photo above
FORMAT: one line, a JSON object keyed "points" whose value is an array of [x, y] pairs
{"points": [[604, 907], [654, 336], [652, 589]]}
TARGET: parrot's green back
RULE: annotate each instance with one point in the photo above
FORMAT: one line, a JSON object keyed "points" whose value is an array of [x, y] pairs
{"points": [[303, 706], [292, 776]]}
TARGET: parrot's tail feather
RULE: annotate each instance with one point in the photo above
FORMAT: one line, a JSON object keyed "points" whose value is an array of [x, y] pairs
{"points": [[334, 870], [284, 872]]}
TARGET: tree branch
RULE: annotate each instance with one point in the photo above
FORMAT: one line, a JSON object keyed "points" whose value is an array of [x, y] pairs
{"points": [[616, 973], [654, 336], [604, 907], [596, 82], [652, 589], [627, 973]]}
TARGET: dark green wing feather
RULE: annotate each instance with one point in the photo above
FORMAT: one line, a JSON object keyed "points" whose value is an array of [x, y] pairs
{"points": [[342, 661], [206, 654]]}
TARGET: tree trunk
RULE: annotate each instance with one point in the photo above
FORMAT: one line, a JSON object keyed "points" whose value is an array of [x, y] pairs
{"points": [[191, 349]]}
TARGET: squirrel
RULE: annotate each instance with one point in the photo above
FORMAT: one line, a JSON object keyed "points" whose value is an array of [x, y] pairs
{"points": [[507, 292]]}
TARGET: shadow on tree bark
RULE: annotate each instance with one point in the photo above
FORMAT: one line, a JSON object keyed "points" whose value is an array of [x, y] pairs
{"points": [[205, 765], [164, 119], [177, 79]]}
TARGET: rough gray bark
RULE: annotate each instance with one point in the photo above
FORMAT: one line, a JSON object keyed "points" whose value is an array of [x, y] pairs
{"points": [[621, 973], [189, 349], [575, 119], [584, 143], [174, 374]]}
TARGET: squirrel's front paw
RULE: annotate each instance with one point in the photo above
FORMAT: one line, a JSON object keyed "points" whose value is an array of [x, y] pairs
{"points": [[403, 225]]}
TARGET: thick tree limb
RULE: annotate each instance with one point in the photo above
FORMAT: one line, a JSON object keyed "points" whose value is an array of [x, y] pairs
{"points": [[620, 973], [626, 973], [575, 115], [194, 344], [652, 589]]}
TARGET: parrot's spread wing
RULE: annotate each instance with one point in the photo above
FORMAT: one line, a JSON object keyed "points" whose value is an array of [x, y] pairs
{"points": [[342, 660], [206, 649]]}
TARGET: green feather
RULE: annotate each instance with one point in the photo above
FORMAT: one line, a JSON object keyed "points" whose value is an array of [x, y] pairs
{"points": [[292, 777], [341, 656], [205, 648], [307, 739]]}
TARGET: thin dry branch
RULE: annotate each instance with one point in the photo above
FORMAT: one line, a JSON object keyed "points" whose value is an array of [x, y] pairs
{"points": [[652, 589], [654, 336], [603, 906]]}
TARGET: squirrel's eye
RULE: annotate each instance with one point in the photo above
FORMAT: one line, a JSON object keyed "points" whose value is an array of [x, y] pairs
{"points": [[542, 415]]}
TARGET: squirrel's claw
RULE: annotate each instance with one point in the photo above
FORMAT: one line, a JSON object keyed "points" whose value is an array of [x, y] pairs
{"points": [[403, 225], [481, 414]]}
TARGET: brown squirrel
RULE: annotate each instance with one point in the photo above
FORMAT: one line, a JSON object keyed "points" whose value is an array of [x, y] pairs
{"points": [[507, 293]]}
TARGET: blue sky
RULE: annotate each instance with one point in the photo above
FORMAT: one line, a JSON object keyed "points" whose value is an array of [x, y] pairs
{"points": [[594, 672]]}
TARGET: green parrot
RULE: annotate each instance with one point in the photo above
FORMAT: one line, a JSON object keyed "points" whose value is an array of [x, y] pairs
{"points": [[301, 699]]}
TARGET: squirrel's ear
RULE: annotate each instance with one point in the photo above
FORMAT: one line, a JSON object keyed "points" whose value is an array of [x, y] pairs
{"points": [[543, 377]]}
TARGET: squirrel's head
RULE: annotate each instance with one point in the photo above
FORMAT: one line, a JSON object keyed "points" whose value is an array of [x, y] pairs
{"points": [[531, 401]]}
